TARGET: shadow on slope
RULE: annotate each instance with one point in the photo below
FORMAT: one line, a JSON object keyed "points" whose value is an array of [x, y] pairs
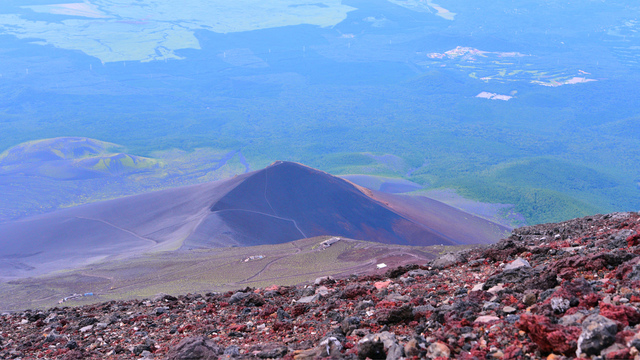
{"points": [[305, 202]]}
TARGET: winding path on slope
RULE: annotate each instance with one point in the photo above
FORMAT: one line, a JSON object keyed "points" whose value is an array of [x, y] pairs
{"points": [[155, 242], [265, 214]]}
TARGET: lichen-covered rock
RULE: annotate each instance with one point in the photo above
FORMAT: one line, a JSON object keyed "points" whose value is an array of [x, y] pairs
{"points": [[438, 350]]}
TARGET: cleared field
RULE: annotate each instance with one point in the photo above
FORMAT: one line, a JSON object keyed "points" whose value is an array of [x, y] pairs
{"points": [[160, 26]]}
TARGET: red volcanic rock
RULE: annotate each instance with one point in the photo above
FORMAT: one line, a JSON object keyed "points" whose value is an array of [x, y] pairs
{"points": [[625, 315], [550, 337], [426, 312], [633, 240]]}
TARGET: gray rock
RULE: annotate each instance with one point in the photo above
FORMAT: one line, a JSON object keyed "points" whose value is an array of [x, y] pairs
{"points": [[371, 347], [308, 291], [273, 352], [407, 280], [419, 272], [86, 328], [634, 274], [50, 318], [421, 309], [51, 337], [397, 297], [517, 263], [546, 294], [308, 299], [444, 261], [323, 279], [598, 333], [512, 319], [195, 347], [237, 297], [509, 310], [349, 324], [488, 305], [232, 350], [517, 275], [160, 310], [619, 239], [572, 320], [364, 304], [139, 349]]}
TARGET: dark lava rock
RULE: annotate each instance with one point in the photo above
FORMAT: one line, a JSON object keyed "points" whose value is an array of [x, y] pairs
{"points": [[517, 275], [400, 270], [349, 324], [395, 315], [546, 280], [87, 322], [197, 347], [619, 239], [379, 346], [598, 332], [448, 260], [138, 349], [238, 297], [253, 300], [272, 352]]}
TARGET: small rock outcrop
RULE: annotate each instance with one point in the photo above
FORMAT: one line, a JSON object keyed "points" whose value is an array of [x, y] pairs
{"points": [[197, 347]]}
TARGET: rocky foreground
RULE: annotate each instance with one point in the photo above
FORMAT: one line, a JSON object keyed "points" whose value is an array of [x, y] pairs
{"points": [[555, 291]]}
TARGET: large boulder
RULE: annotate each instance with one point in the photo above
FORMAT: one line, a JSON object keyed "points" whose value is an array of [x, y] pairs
{"points": [[598, 332]]}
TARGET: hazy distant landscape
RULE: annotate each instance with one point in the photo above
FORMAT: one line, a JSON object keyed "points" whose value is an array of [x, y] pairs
{"points": [[341, 179], [386, 88]]}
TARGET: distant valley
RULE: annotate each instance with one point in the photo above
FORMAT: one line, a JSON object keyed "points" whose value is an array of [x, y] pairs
{"points": [[397, 89]]}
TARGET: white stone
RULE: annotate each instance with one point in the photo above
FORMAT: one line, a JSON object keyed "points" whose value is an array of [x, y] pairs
{"points": [[486, 319], [477, 287], [517, 263], [86, 328]]}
